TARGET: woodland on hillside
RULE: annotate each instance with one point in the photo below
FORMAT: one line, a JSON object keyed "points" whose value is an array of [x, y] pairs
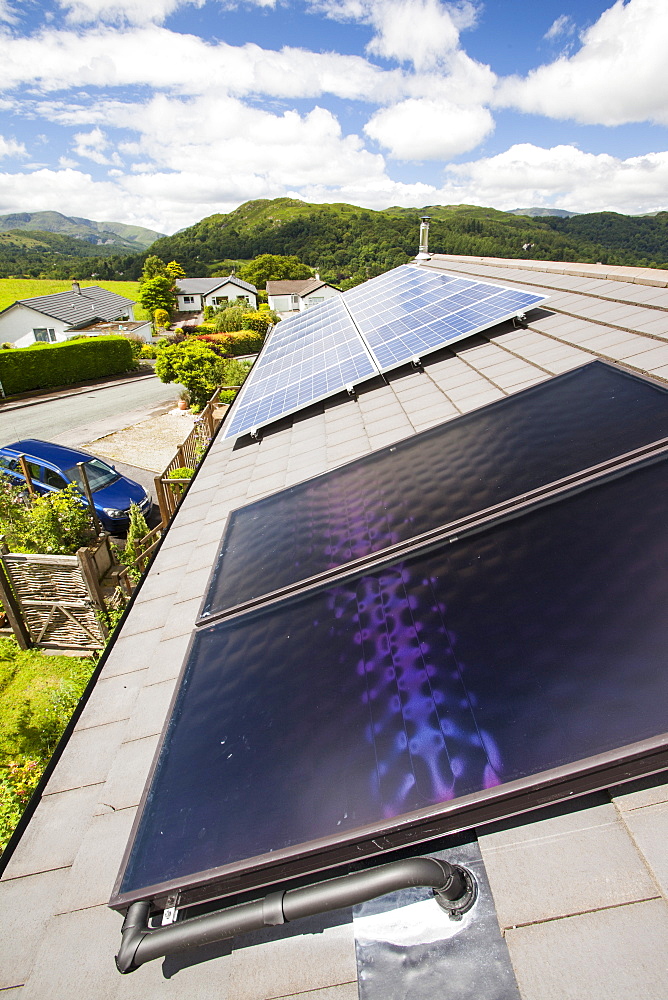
{"points": [[347, 244]]}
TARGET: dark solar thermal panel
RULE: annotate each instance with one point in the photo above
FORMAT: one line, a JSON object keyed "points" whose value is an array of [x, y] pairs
{"points": [[512, 446], [307, 358], [411, 311], [535, 643]]}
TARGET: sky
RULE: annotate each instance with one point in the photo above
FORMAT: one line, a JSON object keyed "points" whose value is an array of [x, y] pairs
{"points": [[161, 112]]}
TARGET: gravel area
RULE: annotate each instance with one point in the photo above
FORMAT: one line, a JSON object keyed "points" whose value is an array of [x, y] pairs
{"points": [[149, 444]]}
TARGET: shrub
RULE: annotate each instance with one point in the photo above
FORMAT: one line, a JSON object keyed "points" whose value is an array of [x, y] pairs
{"points": [[54, 523], [161, 317], [229, 319], [178, 489], [41, 366], [149, 351], [136, 346], [198, 368], [258, 321], [137, 529]]}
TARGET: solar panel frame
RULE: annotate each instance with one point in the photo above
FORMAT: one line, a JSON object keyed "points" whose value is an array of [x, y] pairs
{"points": [[306, 359], [423, 324]]}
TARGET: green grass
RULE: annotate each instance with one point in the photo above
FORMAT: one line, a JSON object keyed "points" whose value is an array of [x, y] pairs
{"points": [[12, 289], [38, 694]]}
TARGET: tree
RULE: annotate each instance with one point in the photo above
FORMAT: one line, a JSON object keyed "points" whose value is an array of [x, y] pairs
{"points": [[273, 267], [153, 266], [199, 368], [174, 270], [157, 293]]}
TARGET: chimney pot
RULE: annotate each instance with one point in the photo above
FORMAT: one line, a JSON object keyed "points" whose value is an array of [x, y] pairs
{"points": [[76, 287]]}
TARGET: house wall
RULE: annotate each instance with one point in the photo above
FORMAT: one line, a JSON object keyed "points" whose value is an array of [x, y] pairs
{"points": [[283, 303], [318, 296], [19, 321], [183, 305], [232, 293]]}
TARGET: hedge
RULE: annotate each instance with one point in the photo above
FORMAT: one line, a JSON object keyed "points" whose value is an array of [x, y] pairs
{"points": [[42, 366], [243, 342]]}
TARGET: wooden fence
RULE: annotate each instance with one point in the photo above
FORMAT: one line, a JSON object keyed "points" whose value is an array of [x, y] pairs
{"points": [[59, 602], [188, 456]]}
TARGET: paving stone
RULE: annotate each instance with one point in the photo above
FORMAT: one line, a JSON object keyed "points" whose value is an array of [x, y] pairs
{"points": [[151, 710], [26, 905], [638, 794], [298, 963], [126, 779], [612, 954], [87, 757], [113, 699], [578, 861], [166, 663], [96, 865], [54, 833], [649, 829]]}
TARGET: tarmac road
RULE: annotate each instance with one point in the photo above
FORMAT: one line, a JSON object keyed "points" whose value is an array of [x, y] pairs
{"points": [[73, 417]]}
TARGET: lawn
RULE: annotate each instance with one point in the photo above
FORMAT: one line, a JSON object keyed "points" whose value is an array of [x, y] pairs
{"points": [[12, 289], [38, 694]]}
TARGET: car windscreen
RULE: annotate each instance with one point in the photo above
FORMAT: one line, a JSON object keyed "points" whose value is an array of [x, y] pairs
{"points": [[98, 472]]}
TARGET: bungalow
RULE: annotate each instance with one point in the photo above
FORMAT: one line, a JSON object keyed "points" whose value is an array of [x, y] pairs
{"points": [[295, 296], [51, 318], [193, 294]]}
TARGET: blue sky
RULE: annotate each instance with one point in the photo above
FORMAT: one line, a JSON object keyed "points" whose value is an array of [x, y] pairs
{"points": [[161, 112]]}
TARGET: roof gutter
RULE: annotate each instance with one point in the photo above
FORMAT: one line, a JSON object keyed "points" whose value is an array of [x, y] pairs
{"points": [[454, 888]]}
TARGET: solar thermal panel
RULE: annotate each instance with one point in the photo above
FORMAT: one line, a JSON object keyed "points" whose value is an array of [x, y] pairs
{"points": [[412, 311], [307, 358], [395, 699], [523, 442]]}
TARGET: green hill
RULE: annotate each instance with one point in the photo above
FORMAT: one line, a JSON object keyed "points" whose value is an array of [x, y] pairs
{"points": [[115, 234], [344, 241]]}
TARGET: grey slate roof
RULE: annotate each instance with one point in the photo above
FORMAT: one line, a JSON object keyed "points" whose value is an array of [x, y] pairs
{"points": [[581, 894], [302, 286], [79, 308], [203, 286]]}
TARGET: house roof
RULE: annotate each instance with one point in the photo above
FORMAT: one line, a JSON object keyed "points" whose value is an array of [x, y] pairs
{"points": [[79, 308], [609, 923], [303, 286], [204, 286]]}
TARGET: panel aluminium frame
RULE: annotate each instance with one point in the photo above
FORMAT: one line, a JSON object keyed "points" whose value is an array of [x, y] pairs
{"points": [[462, 307], [575, 778], [257, 407]]}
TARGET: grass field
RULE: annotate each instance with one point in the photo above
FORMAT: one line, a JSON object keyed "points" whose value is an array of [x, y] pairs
{"points": [[12, 289], [38, 694]]}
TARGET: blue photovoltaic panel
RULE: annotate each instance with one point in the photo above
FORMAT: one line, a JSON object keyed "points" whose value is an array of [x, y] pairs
{"points": [[307, 358], [409, 311]]}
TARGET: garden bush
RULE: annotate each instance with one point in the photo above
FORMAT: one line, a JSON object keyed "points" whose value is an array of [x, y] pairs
{"points": [[149, 351], [235, 344], [199, 368], [53, 523], [41, 366]]}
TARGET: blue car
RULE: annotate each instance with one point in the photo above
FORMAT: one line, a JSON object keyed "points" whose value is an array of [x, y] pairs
{"points": [[52, 467]]}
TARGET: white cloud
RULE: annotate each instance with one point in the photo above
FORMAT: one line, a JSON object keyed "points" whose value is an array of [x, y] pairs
{"points": [[563, 25], [424, 32], [427, 129], [619, 75], [66, 161], [92, 146], [561, 177], [10, 147], [122, 11]]}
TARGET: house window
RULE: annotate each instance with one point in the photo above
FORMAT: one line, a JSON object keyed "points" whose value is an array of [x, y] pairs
{"points": [[41, 334], [313, 300], [52, 335], [187, 299], [219, 300]]}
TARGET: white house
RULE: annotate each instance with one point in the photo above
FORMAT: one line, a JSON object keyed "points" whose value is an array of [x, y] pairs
{"points": [[193, 294], [52, 318], [295, 296]]}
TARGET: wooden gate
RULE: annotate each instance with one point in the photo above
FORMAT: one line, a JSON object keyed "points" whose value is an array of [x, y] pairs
{"points": [[51, 598]]}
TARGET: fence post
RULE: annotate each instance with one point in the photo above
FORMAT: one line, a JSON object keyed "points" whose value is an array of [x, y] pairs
{"points": [[181, 456], [11, 606], [88, 569], [81, 466], [162, 501], [26, 472]]}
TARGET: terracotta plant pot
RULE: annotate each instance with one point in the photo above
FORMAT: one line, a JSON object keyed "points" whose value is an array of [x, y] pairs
{"points": [[182, 404]]}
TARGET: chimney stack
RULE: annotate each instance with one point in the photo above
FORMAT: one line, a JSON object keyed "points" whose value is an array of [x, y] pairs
{"points": [[76, 287], [424, 239]]}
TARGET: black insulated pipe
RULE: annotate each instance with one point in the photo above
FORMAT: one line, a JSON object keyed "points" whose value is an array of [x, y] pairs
{"points": [[454, 888]]}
